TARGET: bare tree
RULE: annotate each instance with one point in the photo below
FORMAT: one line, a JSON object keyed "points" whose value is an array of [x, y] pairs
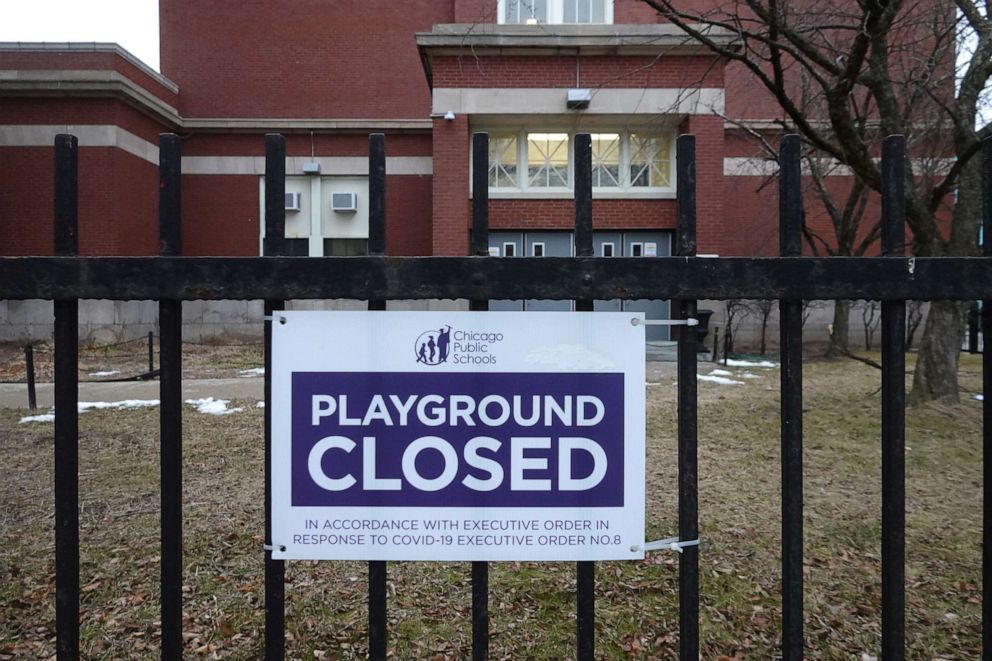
{"points": [[914, 316], [870, 318], [763, 310], [878, 68]]}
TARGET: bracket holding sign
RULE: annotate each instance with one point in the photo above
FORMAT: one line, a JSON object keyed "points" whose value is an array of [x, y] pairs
{"points": [[458, 436]]}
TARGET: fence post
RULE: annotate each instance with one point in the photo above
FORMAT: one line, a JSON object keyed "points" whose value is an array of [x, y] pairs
{"points": [[378, 627], [480, 248], [66, 408], [585, 571], [29, 372], [986, 406], [791, 356], [685, 163], [170, 319], [151, 334], [893, 408], [275, 232]]}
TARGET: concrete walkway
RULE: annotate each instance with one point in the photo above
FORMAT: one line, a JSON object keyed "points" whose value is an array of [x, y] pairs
{"points": [[15, 395]]}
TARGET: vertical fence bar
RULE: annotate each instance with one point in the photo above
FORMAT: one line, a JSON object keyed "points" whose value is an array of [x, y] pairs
{"points": [[791, 349], [986, 410], [685, 164], [151, 334], [378, 630], [29, 372], [275, 232], [66, 408], [585, 571], [480, 248], [170, 316], [893, 408]]}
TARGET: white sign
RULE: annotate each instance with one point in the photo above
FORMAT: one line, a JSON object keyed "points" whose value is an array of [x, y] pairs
{"points": [[458, 435]]}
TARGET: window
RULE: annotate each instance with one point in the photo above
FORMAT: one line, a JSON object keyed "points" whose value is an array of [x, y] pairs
{"points": [[509, 249], [622, 161], [607, 249], [537, 249], [605, 160], [535, 12], [503, 160], [637, 249], [524, 11], [650, 161], [547, 160]]}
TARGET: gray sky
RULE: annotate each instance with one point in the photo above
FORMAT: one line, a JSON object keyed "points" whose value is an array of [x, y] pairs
{"points": [[131, 23]]}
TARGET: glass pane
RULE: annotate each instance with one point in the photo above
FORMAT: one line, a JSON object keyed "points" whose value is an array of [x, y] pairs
{"points": [[599, 11], [650, 160], [584, 11], [512, 11], [526, 11], [547, 160], [569, 11], [606, 159], [503, 161]]}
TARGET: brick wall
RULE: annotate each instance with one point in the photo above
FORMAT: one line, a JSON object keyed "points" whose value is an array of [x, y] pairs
{"points": [[560, 71], [560, 214], [710, 228], [26, 182], [85, 61], [301, 59], [452, 209], [220, 215], [117, 202], [297, 144]]}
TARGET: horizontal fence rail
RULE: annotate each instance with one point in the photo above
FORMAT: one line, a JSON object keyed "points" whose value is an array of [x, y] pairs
{"points": [[391, 278]]}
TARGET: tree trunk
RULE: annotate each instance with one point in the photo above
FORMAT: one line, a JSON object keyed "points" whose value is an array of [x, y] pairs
{"points": [[936, 373], [840, 336]]}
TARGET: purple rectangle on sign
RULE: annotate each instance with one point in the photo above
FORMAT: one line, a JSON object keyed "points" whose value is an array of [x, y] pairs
{"points": [[373, 439]]}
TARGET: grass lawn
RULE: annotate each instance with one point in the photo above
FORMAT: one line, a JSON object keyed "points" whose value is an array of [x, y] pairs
{"points": [[532, 606]]}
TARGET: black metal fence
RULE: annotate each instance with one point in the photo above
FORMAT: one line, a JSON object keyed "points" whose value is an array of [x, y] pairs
{"points": [[171, 279]]}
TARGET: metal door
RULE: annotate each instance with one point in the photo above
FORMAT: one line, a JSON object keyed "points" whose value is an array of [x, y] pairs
{"points": [[649, 244], [506, 244], [548, 244]]}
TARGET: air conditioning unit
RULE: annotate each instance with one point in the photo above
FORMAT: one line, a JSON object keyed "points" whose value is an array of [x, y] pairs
{"points": [[292, 201], [344, 201]]}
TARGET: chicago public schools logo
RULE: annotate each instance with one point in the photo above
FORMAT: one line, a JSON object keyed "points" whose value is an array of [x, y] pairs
{"points": [[432, 347]]}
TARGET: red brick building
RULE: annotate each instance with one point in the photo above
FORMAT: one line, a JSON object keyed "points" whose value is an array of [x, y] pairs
{"points": [[427, 73]]}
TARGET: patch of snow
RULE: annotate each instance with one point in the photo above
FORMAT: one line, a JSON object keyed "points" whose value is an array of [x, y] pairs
{"points": [[255, 371], [719, 379], [110, 373], [650, 384], [44, 417], [260, 405], [750, 363], [980, 398], [118, 406], [211, 406], [568, 358], [721, 373], [83, 407], [751, 375]]}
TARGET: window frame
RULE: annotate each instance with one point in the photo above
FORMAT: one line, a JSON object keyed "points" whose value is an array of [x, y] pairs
{"points": [[556, 14], [524, 189]]}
